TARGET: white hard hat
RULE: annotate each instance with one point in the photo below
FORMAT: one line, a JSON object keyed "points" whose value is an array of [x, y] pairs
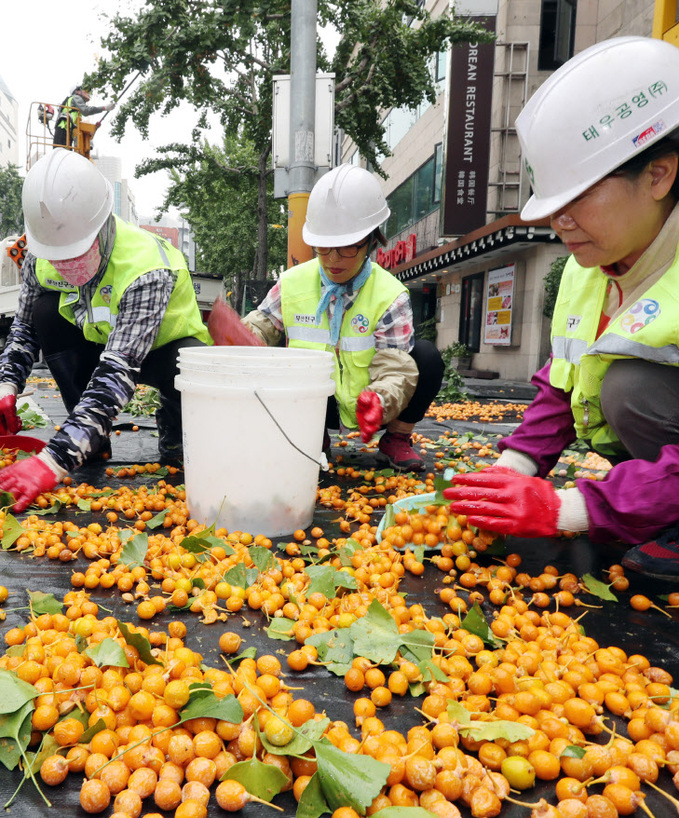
{"points": [[66, 202], [594, 113], [345, 206]]}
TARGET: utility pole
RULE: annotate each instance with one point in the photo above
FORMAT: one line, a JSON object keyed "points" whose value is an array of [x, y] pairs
{"points": [[302, 169]]}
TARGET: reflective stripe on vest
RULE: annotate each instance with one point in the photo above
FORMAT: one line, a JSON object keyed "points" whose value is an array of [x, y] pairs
{"points": [[647, 330], [318, 335], [300, 296], [135, 252]]}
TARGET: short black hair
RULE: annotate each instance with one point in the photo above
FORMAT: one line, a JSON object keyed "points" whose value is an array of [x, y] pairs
{"points": [[666, 146]]}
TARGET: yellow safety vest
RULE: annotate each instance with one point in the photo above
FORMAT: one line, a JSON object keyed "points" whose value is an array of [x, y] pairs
{"points": [[300, 296], [648, 330], [135, 252]]}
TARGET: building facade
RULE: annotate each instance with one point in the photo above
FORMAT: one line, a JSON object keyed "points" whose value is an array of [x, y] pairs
{"points": [[455, 183], [9, 117], [123, 197]]}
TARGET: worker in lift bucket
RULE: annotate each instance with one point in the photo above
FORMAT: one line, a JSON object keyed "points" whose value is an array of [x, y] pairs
{"points": [[600, 139], [343, 302], [72, 108], [109, 305]]}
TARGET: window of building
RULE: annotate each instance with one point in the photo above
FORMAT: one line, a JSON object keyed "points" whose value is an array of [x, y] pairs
{"points": [[416, 197], [557, 33], [471, 311], [438, 171]]}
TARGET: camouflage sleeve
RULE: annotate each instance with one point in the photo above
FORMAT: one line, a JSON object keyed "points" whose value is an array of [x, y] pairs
{"points": [[22, 349], [89, 425]]}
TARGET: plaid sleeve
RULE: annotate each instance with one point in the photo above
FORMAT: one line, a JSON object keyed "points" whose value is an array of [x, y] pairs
{"points": [[22, 349], [113, 381], [271, 307], [140, 313], [395, 329]]}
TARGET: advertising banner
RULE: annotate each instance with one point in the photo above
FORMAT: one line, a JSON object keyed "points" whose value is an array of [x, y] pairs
{"points": [[499, 306]]}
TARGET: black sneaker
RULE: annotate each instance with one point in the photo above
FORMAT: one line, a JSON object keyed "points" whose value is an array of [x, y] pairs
{"points": [[657, 558]]}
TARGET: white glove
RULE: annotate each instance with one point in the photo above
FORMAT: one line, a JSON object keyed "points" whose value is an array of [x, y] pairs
{"points": [[109, 106]]}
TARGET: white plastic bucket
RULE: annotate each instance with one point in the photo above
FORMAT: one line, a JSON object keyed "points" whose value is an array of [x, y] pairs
{"points": [[253, 421]]}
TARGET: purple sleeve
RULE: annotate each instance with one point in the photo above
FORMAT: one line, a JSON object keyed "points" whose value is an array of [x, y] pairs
{"points": [[636, 500], [547, 427]]}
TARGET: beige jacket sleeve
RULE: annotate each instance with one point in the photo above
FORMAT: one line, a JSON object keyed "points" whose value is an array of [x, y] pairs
{"points": [[263, 327], [393, 375]]}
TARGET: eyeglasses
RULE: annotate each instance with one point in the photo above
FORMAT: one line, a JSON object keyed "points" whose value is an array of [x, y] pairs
{"points": [[348, 251]]}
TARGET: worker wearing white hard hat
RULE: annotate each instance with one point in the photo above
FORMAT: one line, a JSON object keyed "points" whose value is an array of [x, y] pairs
{"points": [[600, 141], [108, 305], [343, 302]]}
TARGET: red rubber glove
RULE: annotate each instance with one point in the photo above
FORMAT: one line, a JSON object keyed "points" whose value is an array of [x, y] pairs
{"points": [[369, 414], [226, 328], [10, 422], [27, 479], [505, 501]]}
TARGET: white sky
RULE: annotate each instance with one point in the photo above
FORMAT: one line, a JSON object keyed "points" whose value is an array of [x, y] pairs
{"points": [[47, 47]]}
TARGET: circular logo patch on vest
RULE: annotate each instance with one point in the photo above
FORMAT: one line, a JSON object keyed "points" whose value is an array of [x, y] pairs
{"points": [[640, 315], [105, 293], [359, 323]]}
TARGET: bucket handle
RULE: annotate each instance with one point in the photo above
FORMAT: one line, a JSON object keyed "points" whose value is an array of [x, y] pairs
{"points": [[282, 431]]}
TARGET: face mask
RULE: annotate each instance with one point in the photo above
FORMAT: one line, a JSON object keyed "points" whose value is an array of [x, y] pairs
{"points": [[78, 271]]}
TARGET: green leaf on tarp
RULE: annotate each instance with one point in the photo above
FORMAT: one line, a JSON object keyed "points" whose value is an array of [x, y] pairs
{"points": [[84, 505], [261, 780], [51, 509], [42, 603], [312, 804], [140, 642], [347, 551], [6, 499], [326, 579], [134, 551], [107, 652], [11, 530], [201, 544], [157, 520], [348, 779], [263, 559], [598, 588], [203, 704], [389, 517], [417, 689], [92, 731], [336, 647], [475, 622], [14, 692], [431, 672], [248, 653], [497, 548], [418, 552], [197, 582], [15, 650], [48, 747], [376, 635], [281, 628], [573, 751], [241, 576], [302, 741], [402, 812], [499, 728], [459, 714], [418, 645], [15, 733]]}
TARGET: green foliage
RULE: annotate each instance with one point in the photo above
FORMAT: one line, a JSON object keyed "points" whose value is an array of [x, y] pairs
{"points": [[11, 213], [220, 56], [452, 390], [455, 350], [427, 330], [552, 281]]}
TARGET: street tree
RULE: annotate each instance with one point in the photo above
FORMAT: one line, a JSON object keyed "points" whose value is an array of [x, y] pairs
{"points": [[215, 189], [220, 56], [11, 212]]}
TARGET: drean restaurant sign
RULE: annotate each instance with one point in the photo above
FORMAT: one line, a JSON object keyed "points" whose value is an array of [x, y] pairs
{"points": [[401, 252], [467, 153]]}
